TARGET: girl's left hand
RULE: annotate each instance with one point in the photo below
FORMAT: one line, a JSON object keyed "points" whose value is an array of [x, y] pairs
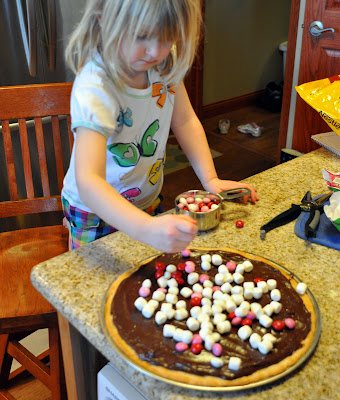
{"points": [[218, 185]]}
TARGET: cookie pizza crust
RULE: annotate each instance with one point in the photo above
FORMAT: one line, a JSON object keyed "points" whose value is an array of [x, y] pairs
{"points": [[140, 340]]}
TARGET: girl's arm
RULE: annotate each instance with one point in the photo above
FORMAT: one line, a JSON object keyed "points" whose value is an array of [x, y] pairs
{"points": [[192, 139], [167, 233]]}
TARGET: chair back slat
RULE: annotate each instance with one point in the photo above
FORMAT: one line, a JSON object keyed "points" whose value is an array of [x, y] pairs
{"points": [[58, 151], [42, 157], [36, 166], [12, 180], [26, 159]]}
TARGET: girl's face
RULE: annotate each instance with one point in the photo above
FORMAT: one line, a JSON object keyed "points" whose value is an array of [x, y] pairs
{"points": [[145, 53]]}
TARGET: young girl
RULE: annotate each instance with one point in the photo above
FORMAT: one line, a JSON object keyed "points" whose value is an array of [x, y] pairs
{"points": [[130, 57]]}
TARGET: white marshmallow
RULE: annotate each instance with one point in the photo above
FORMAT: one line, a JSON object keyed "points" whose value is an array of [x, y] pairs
{"points": [[206, 266], [248, 266], [204, 333], [220, 317], [237, 290], [158, 295], [162, 282], [223, 327], [173, 290], [254, 340], [206, 309], [275, 295], [207, 325], [216, 259], [237, 299], [265, 321], [271, 284], [229, 278], [214, 206], [193, 207], [172, 282], [197, 288], [206, 257], [270, 337], [195, 311], [205, 301], [171, 268], [265, 346], [203, 317], [192, 278], [193, 324], [153, 303], [181, 314], [240, 269], [238, 278], [198, 199], [209, 342], [226, 287], [183, 200], [166, 307], [268, 309], [257, 293], [255, 307], [217, 295], [241, 311], [263, 285], [187, 336], [217, 362], [230, 306], [140, 302], [171, 298], [219, 279], [146, 283], [148, 311], [277, 306], [220, 303], [248, 293], [207, 292], [216, 336], [169, 330], [186, 292], [167, 274], [216, 309], [301, 288], [234, 363], [208, 283], [178, 334], [160, 318], [248, 285], [181, 304], [244, 332], [222, 269]]}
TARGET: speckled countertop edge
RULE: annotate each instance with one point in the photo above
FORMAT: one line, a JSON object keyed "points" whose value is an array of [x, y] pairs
{"points": [[75, 283]]}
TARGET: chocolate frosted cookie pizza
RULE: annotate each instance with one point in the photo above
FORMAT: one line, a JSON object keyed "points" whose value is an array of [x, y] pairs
{"points": [[215, 318]]}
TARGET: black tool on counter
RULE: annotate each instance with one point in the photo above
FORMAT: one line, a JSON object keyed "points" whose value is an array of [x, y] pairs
{"points": [[314, 207]]}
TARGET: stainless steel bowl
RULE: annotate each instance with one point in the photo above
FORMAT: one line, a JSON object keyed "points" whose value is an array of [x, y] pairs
{"points": [[210, 219]]}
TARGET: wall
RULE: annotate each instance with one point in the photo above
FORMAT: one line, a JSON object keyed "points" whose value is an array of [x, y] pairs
{"points": [[241, 52]]}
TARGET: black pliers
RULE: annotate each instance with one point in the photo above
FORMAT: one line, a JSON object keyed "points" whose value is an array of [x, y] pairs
{"points": [[314, 207]]}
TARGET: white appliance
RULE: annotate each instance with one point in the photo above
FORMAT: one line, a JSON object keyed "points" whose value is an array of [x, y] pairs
{"points": [[111, 385]]}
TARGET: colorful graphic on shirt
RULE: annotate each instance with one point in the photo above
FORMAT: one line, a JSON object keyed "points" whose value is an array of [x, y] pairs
{"points": [[131, 193], [155, 171], [128, 154], [125, 117], [160, 90]]}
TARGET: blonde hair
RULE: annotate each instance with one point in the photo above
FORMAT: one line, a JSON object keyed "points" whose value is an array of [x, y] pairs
{"points": [[106, 22]]}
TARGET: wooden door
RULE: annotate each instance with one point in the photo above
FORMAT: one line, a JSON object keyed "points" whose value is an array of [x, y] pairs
{"points": [[320, 58]]}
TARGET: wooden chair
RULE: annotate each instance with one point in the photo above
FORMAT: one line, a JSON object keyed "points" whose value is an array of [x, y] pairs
{"points": [[35, 158]]}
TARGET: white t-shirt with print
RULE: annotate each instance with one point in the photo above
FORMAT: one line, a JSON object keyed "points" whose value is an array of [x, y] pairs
{"points": [[136, 124]]}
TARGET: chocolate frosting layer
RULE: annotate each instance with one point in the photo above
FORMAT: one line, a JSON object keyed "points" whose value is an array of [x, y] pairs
{"points": [[146, 337]]}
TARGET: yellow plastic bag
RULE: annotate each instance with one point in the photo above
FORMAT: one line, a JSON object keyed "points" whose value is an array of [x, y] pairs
{"points": [[324, 96]]}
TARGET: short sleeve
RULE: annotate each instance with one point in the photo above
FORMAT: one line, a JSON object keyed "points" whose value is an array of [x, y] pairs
{"points": [[93, 104]]}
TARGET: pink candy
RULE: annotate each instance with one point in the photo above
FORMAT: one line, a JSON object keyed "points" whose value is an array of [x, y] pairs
{"points": [[196, 338], [231, 266], [189, 267], [216, 288], [144, 291], [216, 349], [160, 289], [197, 294], [205, 209], [290, 323], [180, 205], [251, 315], [181, 346], [206, 200], [186, 253], [190, 200], [236, 321], [204, 277]]}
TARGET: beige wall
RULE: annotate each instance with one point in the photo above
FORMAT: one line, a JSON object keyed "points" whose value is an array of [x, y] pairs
{"points": [[241, 52]]}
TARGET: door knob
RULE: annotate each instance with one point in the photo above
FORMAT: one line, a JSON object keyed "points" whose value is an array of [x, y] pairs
{"points": [[316, 28]]}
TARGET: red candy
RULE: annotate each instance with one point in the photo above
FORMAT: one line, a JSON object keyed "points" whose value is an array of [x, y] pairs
{"points": [[195, 301], [196, 348], [246, 321], [180, 281], [158, 274], [239, 224], [257, 280], [160, 266], [181, 266], [278, 325], [176, 274], [203, 206], [231, 315]]}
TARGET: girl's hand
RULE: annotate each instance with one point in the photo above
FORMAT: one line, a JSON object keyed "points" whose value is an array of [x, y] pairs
{"points": [[218, 185], [170, 233]]}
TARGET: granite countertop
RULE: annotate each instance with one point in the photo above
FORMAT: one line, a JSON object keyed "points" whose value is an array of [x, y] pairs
{"points": [[75, 283]]}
